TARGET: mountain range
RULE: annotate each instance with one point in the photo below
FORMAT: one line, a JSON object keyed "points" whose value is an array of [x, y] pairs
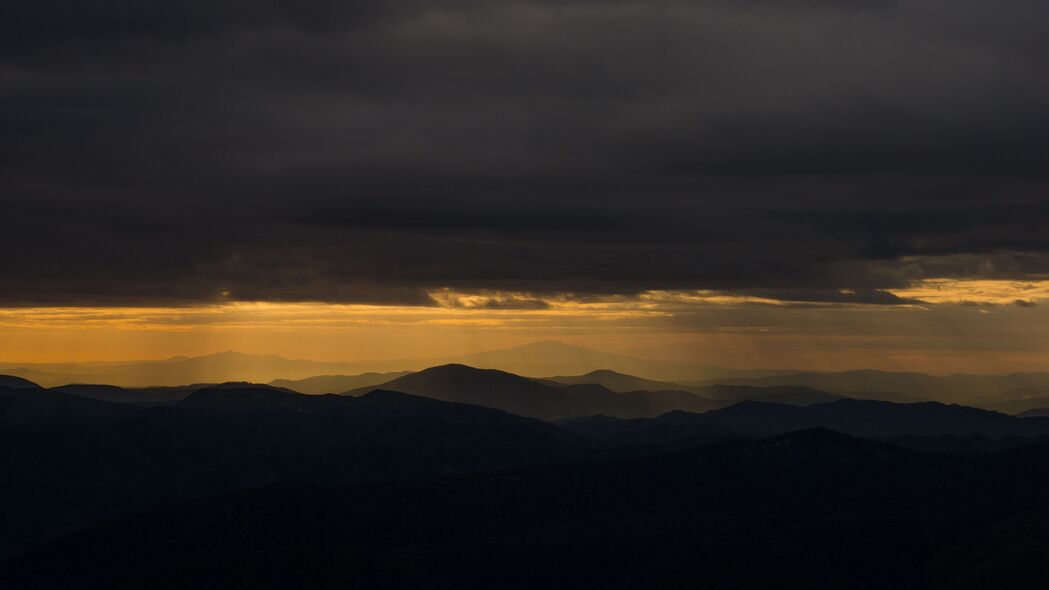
{"points": [[103, 458], [533, 359], [983, 390], [403, 485], [551, 362], [530, 397], [540, 398], [861, 418], [336, 383], [567, 397], [811, 509]]}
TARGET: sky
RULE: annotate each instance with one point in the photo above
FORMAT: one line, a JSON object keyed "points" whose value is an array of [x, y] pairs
{"points": [[802, 183]]}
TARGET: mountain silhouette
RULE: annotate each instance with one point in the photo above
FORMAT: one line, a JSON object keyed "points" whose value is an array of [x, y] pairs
{"points": [[212, 368], [152, 396], [34, 408], [552, 357], [572, 363], [729, 394], [811, 509], [447, 478], [81, 459], [960, 388], [787, 395], [12, 382], [615, 381], [336, 383], [112, 393], [530, 397], [863, 418], [534, 359]]}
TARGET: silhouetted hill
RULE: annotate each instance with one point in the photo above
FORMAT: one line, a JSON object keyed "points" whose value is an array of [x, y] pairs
{"points": [[961, 388], [551, 357], [12, 382], [812, 509], [730, 394], [533, 359], [873, 419], [529, 397], [211, 368], [152, 396], [389, 488], [112, 393], [246, 397], [791, 396], [80, 459], [336, 383], [615, 381], [863, 418], [33, 408]]}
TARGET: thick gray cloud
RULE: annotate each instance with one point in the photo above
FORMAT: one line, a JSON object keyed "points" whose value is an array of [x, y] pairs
{"points": [[184, 152]]}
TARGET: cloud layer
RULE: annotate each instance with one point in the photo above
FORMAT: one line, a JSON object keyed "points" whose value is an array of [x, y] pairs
{"points": [[187, 152]]}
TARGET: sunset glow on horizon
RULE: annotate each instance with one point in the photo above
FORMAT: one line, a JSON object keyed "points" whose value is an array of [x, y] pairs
{"points": [[946, 326]]}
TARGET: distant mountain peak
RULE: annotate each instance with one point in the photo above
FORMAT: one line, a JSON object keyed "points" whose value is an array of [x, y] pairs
{"points": [[240, 396], [245, 385], [389, 394], [452, 367], [461, 369], [606, 373]]}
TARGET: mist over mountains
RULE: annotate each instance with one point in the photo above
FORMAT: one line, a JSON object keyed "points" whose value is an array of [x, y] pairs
{"points": [[337, 383], [552, 362], [247, 484], [535, 359], [970, 389], [409, 479]]}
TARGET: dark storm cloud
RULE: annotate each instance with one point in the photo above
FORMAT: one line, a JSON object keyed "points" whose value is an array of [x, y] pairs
{"points": [[862, 296], [185, 152]]}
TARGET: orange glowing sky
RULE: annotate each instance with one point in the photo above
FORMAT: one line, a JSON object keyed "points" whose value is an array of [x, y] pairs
{"points": [[970, 326]]}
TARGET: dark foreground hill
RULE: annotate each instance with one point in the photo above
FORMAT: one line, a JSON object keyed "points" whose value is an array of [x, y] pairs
{"points": [[151, 396], [254, 486], [146, 396], [812, 509], [69, 460], [12, 382]]}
